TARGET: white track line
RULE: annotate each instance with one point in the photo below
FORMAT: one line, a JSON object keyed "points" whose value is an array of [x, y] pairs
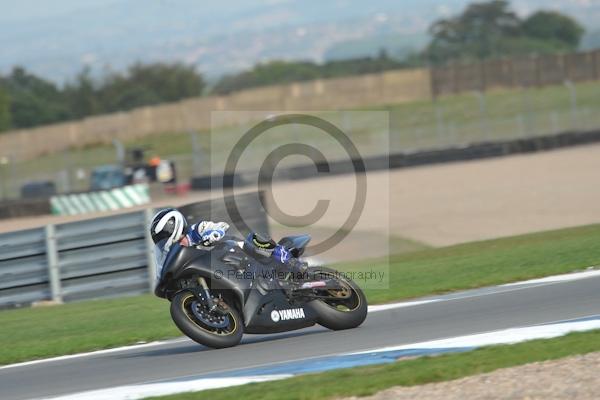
{"points": [[374, 308], [559, 278], [132, 392], [94, 353], [391, 306], [506, 336], [503, 336]]}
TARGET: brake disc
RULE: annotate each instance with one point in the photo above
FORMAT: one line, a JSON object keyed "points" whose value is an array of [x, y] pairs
{"points": [[343, 293], [213, 320]]}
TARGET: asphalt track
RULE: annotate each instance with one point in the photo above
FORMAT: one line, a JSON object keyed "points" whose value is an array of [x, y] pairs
{"points": [[475, 311]]}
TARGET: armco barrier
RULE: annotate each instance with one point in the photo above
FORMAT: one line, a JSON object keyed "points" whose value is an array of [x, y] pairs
{"points": [[101, 257], [24, 276]]}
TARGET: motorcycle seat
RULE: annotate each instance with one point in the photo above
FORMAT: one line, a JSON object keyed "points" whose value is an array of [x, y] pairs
{"points": [[296, 244]]}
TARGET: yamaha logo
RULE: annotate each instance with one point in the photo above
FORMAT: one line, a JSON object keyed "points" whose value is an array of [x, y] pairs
{"points": [[275, 316], [284, 315]]}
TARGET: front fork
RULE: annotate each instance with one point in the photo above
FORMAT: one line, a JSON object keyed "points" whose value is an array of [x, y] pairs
{"points": [[207, 296], [203, 295]]}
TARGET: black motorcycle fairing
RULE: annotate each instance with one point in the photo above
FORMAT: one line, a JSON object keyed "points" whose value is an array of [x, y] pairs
{"points": [[296, 244], [215, 265], [254, 284], [177, 258], [259, 307]]}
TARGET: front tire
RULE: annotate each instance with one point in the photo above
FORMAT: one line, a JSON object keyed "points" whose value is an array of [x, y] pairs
{"points": [[189, 322], [345, 313]]}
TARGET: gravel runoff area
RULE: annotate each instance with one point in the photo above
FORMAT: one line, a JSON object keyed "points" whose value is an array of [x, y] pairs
{"points": [[568, 378]]}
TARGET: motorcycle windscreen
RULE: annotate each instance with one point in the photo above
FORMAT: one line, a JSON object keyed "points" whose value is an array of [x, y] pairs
{"points": [[160, 256]]}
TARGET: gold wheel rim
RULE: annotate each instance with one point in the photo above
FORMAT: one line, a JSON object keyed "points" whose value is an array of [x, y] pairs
{"points": [[185, 312], [345, 289]]}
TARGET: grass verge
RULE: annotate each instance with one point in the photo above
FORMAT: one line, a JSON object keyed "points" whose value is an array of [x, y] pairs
{"points": [[478, 264], [363, 381], [44, 332]]}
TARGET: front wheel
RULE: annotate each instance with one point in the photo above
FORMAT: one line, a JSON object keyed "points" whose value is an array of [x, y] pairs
{"points": [[343, 308], [216, 330]]}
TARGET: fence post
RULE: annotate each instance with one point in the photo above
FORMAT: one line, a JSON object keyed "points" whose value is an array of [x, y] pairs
{"points": [[53, 267], [573, 99], [440, 126], [567, 67], [483, 77], [484, 123], [456, 87], [148, 214], [433, 81], [197, 154]]}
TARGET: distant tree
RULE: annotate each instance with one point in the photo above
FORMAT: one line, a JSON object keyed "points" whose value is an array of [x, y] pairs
{"points": [[476, 33], [149, 84], [4, 111], [279, 72], [131, 97], [269, 73], [82, 95], [491, 29], [169, 82], [550, 25], [33, 100]]}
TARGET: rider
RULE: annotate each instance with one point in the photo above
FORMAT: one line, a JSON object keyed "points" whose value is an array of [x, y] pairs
{"points": [[169, 226]]}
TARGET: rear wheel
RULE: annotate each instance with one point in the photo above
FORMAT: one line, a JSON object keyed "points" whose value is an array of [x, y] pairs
{"points": [[344, 308], [212, 329]]}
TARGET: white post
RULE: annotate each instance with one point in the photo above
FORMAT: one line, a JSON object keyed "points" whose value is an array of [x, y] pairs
{"points": [[53, 267]]}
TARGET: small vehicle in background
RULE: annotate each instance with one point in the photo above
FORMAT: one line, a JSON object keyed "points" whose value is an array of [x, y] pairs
{"points": [[37, 190], [107, 177], [132, 168]]}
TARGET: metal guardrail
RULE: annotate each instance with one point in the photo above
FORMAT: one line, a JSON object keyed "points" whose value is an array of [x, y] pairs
{"points": [[95, 258]]}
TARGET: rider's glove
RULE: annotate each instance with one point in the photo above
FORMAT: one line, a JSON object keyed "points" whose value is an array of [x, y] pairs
{"points": [[281, 254], [206, 233]]}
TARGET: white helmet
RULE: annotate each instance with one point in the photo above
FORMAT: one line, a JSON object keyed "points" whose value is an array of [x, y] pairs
{"points": [[168, 224]]}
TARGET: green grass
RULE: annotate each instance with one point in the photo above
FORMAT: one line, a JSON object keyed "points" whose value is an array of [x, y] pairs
{"points": [[43, 332], [484, 263], [40, 332], [451, 120], [364, 381]]}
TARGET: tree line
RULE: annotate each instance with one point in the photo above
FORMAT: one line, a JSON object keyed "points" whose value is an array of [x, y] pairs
{"points": [[277, 72], [27, 100], [492, 29], [483, 30]]}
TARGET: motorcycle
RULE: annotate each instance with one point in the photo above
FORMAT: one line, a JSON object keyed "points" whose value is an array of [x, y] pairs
{"points": [[217, 295]]}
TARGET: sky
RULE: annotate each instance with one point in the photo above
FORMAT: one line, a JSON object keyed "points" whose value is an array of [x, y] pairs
{"points": [[57, 38]]}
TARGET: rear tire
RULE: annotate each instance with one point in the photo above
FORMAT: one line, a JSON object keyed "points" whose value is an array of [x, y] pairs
{"points": [[336, 317], [192, 327]]}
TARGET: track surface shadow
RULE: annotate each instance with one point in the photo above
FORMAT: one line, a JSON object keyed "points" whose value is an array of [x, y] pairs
{"points": [[247, 340]]}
